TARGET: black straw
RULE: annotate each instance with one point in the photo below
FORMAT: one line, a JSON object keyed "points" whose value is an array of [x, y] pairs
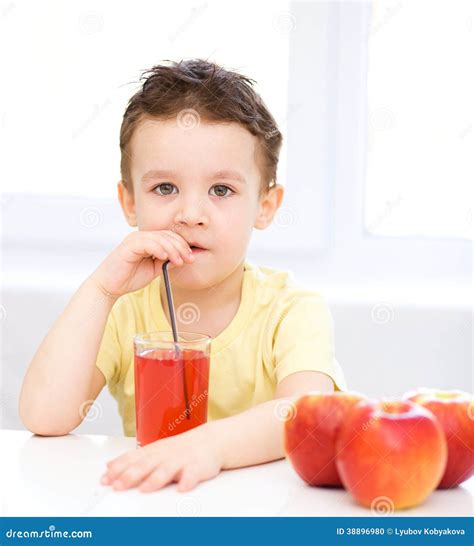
{"points": [[169, 296]]}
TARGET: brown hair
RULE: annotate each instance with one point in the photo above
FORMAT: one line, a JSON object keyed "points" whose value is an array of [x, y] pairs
{"points": [[215, 94]]}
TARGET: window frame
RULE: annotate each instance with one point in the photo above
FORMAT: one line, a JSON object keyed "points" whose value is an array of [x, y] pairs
{"points": [[350, 246], [321, 222]]}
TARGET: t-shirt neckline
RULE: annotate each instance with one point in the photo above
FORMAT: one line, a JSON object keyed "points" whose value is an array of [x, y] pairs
{"points": [[232, 330]]}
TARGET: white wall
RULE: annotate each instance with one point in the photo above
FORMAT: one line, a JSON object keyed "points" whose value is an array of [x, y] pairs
{"points": [[385, 348], [401, 304]]}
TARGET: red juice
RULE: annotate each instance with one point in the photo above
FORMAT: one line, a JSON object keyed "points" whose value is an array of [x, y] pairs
{"points": [[160, 400]]}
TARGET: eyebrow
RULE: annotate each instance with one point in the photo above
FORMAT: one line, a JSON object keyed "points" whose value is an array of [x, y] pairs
{"points": [[218, 175]]}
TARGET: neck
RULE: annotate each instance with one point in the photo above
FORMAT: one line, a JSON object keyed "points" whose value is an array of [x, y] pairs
{"points": [[225, 293]]}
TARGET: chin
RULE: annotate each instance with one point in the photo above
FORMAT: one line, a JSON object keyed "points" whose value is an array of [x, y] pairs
{"points": [[191, 278]]}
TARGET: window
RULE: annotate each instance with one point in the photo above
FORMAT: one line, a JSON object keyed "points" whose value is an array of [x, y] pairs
{"points": [[378, 181], [74, 68], [420, 132]]}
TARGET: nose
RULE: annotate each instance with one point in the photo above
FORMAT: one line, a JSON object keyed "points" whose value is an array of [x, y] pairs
{"points": [[191, 212]]}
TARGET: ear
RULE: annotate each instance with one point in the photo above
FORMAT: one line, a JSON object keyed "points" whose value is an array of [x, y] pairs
{"points": [[127, 201], [269, 203]]}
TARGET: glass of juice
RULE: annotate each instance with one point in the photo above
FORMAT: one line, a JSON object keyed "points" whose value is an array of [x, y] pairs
{"points": [[171, 383]]}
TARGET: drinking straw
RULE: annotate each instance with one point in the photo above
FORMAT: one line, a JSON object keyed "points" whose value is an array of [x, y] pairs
{"points": [[169, 296]]}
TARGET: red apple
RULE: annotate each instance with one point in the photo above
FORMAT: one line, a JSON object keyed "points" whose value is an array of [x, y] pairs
{"points": [[390, 452], [455, 411], [310, 433]]}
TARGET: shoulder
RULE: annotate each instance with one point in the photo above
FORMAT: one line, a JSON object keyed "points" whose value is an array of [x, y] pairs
{"points": [[286, 300], [279, 286]]}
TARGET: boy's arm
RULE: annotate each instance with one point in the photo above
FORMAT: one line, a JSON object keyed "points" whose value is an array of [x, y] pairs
{"points": [[256, 435], [61, 375], [252, 437]]}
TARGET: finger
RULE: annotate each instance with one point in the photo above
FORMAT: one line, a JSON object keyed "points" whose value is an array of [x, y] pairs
{"points": [[184, 245], [161, 476], [169, 246], [118, 465], [172, 233], [179, 244], [135, 474], [148, 247], [175, 231], [163, 250], [189, 479]]}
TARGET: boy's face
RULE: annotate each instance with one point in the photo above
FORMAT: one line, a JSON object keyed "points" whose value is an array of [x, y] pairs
{"points": [[205, 187]]}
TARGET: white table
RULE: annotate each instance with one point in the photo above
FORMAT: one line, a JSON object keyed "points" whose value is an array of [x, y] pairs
{"points": [[59, 476]]}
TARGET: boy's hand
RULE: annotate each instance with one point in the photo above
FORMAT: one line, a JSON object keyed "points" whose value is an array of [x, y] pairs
{"points": [[188, 458], [139, 259]]}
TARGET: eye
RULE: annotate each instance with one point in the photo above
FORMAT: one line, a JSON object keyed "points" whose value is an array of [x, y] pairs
{"points": [[165, 188], [221, 187]]}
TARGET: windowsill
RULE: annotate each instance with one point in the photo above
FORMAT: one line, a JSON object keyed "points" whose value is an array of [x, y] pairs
{"points": [[387, 293]]}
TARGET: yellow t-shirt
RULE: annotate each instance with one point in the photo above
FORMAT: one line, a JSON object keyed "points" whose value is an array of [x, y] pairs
{"points": [[279, 328]]}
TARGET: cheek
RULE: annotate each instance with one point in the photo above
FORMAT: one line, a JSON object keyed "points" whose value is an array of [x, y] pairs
{"points": [[236, 218], [241, 212], [149, 218]]}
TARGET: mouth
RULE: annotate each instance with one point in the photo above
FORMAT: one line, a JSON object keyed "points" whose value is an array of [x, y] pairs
{"points": [[197, 249]]}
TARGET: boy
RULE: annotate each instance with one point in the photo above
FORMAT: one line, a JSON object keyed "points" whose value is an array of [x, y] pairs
{"points": [[199, 159]]}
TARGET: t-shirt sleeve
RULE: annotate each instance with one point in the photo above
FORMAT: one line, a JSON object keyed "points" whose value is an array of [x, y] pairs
{"points": [[109, 355], [304, 340]]}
